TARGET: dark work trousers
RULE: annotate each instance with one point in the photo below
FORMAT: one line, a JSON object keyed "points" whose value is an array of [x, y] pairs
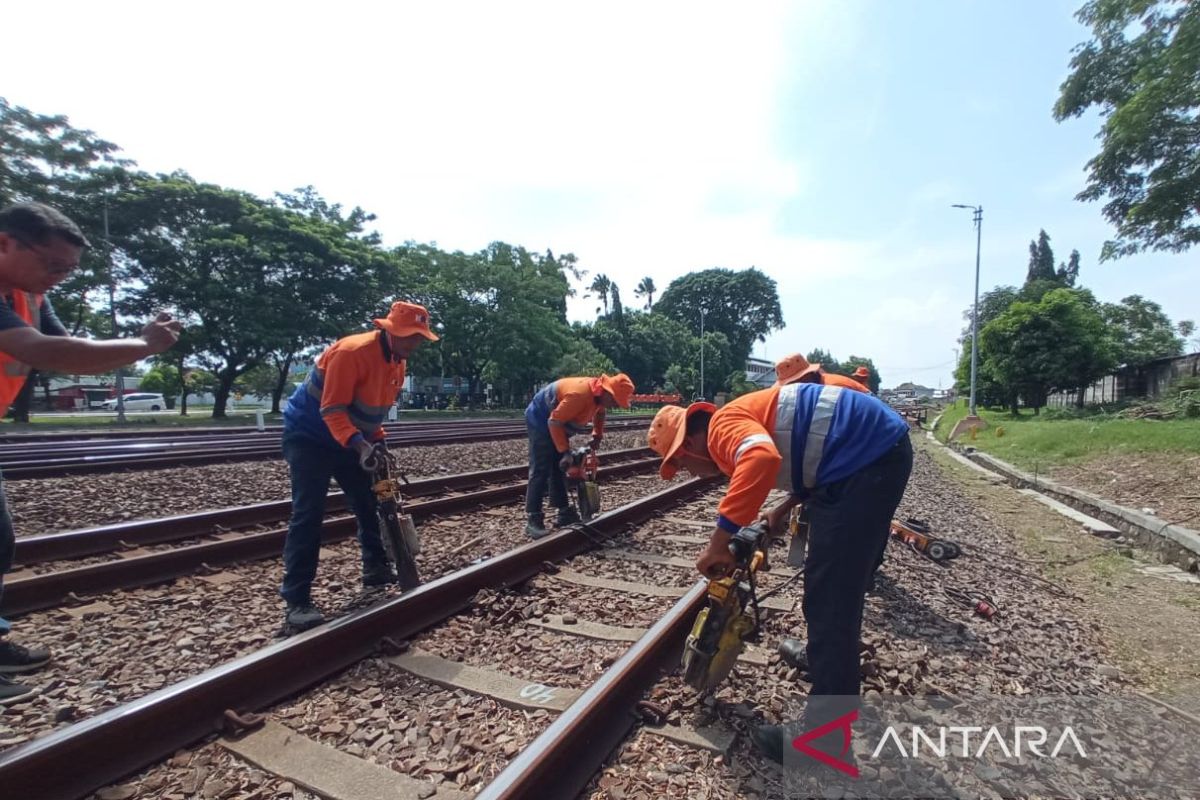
{"points": [[8, 545], [311, 466], [544, 472], [850, 526]]}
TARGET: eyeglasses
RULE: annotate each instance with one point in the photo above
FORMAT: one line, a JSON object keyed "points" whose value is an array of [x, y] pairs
{"points": [[52, 265]]}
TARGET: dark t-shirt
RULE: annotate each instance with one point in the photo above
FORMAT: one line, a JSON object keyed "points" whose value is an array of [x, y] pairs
{"points": [[50, 323]]}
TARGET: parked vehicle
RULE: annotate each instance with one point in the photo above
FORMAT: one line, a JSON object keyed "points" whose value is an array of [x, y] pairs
{"points": [[138, 402]]}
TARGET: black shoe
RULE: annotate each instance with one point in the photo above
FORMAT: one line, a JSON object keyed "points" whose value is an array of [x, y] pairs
{"points": [[768, 740], [794, 653], [535, 528], [303, 616], [379, 576], [12, 692], [17, 658], [567, 516]]}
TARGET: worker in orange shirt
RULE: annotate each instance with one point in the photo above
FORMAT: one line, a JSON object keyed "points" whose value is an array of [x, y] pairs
{"points": [[332, 426], [847, 456], [559, 410], [796, 369], [863, 376]]}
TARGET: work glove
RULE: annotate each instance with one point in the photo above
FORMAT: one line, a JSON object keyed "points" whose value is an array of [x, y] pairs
{"points": [[596, 440], [564, 462], [371, 455]]}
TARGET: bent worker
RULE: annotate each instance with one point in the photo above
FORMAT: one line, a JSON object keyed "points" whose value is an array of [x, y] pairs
{"points": [[796, 369], [863, 376], [848, 459], [558, 411], [39, 248], [331, 426]]}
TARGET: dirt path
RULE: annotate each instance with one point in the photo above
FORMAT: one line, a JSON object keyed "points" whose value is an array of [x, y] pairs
{"points": [[1166, 483], [1151, 624]]}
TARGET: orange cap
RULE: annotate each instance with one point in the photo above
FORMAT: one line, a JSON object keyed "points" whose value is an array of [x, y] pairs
{"points": [[620, 386], [667, 432], [405, 319], [862, 372], [792, 368]]}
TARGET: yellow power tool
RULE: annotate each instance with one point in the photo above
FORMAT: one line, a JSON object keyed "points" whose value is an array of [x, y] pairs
{"points": [[730, 617]]}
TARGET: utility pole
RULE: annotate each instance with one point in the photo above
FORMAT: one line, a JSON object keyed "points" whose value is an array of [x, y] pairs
{"points": [[702, 394], [112, 312], [978, 220]]}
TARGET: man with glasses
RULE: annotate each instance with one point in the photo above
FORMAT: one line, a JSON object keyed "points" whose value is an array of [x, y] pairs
{"points": [[40, 248]]}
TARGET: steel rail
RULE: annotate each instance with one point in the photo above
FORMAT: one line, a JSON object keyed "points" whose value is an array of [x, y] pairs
{"points": [[78, 759], [35, 592], [168, 434], [564, 758], [108, 538], [44, 466], [561, 761]]}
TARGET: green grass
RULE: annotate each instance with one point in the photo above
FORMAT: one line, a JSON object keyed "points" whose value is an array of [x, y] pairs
{"points": [[1028, 441]]}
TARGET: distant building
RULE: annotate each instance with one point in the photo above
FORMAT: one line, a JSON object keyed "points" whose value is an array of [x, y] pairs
{"points": [[760, 372], [912, 391]]}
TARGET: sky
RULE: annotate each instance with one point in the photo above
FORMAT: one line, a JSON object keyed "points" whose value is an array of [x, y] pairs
{"points": [[821, 142]]}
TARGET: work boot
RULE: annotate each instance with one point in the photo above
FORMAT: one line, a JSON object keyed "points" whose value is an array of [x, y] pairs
{"points": [[18, 658], [302, 616], [567, 516], [13, 692], [378, 576], [794, 653], [535, 527]]}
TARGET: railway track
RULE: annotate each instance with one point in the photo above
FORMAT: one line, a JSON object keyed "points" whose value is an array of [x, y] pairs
{"points": [[566, 755], [46, 576], [38, 459]]}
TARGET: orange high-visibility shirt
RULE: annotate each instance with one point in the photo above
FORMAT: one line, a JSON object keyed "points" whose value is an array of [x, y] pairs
{"points": [[576, 408], [740, 442]]}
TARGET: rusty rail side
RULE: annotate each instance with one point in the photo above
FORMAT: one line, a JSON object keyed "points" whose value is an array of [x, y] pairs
{"points": [[122, 740], [108, 538], [23, 595]]}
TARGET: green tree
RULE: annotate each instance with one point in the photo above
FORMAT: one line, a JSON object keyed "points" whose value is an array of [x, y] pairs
{"points": [[1041, 260], [742, 305], [854, 362], [1060, 342], [825, 359], [503, 312], [1141, 71], [1068, 273], [601, 286], [164, 379], [1142, 331], [582, 358], [256, 278], [646, 289]]}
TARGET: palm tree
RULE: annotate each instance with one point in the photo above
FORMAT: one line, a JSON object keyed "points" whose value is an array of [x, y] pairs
{"points": [[601, 285], [646, 289]]}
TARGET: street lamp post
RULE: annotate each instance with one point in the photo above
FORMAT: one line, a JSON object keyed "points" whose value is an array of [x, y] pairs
{"points": [[978, 220], [112, 311], [702, 394]]}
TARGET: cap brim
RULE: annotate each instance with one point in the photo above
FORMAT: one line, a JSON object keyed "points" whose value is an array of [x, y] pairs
{"points": [[667, 470], [809, 370], [399, 330]]}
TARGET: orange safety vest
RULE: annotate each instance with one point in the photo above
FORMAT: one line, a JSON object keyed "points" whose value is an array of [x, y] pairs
{"points": [[12, 372]]}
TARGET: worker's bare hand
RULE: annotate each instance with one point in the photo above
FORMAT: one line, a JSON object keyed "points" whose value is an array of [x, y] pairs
{"points": [[716, 561], [776, 519], [162, 332]]}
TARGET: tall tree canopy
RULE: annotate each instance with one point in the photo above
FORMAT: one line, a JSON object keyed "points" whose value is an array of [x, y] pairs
{"points": [[743, 305], [1141, 330], [251, 277], [1141, 71]]}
